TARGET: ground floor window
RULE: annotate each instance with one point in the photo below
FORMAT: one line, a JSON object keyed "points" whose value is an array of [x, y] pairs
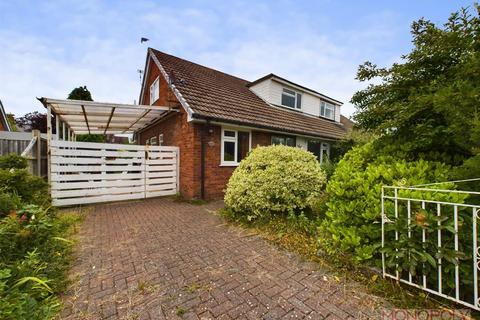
{"points": [[284, 140], [320, 149], [160, 139], [235, 146]]}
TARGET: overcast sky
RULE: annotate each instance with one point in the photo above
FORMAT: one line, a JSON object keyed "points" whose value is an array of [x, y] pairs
{"points": [[49, 47]]}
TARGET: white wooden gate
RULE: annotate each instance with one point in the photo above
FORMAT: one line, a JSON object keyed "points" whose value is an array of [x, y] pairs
{"points": [[87, 172]]}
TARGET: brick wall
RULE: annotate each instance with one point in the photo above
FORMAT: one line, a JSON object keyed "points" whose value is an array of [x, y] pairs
{"points": [[188, 137], [216, 176], [176, 132]]}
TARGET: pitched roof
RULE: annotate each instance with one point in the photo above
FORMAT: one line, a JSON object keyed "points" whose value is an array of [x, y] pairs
{"points": [[215, 95], [348, 123]]}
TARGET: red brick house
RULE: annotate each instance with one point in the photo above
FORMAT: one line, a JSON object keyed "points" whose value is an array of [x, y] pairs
{"points": [[222, 117]]}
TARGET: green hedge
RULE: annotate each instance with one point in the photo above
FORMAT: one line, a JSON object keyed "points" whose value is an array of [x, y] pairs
{"points": [[352, 222]]}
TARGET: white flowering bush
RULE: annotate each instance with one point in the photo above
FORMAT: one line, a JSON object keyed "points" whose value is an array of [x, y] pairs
{"points": [[274, 180]]}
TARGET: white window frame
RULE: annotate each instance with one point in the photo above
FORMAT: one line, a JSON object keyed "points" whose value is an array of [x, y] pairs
{"points": [[224, 139], [323, 107], [292, 96], [155, 91], [324, 147], [160, 139], [153, 141]]}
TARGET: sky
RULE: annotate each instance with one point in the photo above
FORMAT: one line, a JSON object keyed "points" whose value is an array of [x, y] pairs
{"points": [[47, 48]]}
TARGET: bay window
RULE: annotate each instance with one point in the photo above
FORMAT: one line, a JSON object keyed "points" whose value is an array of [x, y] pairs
{"points": [[235, 146]]}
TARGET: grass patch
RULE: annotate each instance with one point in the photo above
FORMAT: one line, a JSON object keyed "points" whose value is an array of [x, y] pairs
{"points": [[180, 311], [197, 202], [195, 287], [299, 235]]}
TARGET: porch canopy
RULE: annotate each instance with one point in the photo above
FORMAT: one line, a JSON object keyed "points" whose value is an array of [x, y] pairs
{"points": [[91, 117]]}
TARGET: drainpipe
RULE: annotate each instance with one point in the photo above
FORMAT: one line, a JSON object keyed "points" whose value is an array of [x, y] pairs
{"points": [[202, 159]]}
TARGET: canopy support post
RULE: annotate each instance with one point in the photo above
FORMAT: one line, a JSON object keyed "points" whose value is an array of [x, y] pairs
{"points": [[85, 116], [109, 120], [49, 142]]}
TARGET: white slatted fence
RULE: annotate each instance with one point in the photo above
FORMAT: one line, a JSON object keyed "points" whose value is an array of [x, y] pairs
{"points": [[161, 167], [86, 172]]}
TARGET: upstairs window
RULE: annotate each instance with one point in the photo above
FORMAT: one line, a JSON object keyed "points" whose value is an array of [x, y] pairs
{"points": [[327, 110], [154, 91], [284, 140], [235, 146], [291, 99]]}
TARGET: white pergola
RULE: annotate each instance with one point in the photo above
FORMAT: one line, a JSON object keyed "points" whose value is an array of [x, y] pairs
{"points": [[75, 117]]}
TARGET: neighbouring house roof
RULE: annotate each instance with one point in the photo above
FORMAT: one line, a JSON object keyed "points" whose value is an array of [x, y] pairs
{"points": [[4, 118], [349, 124], [213, 95]]}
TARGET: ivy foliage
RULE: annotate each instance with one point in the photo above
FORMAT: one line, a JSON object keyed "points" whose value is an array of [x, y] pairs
{"points": [[274, 180]]}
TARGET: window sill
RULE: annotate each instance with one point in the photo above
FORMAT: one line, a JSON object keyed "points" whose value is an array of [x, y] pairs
{"points": [[331, 119], [229, 164]]}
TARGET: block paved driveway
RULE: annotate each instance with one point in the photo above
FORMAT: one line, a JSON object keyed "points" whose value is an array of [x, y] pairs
{"points": [[159, 259]]}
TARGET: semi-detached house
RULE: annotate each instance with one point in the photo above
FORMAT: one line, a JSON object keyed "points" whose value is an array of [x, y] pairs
{"points": [[221, 118]]}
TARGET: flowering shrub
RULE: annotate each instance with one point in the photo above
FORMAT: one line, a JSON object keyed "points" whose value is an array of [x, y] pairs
{"points": [[33, 249], [274, 180], [352, 222]]}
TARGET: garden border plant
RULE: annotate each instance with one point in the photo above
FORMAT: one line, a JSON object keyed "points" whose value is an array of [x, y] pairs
{"points": [[35, 245]]}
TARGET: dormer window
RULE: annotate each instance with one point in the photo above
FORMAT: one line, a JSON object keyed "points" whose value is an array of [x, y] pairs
{"points": [[154, 91], [291, 99], [327, 110]]}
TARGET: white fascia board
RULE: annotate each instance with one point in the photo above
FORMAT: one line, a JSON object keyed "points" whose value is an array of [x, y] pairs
{"points": [[288, 84], [5, 117], [177, 93], [144, 81]]}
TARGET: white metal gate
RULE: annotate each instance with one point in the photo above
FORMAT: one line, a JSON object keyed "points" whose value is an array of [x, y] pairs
{"points": [[440, 226], [87, 172]]}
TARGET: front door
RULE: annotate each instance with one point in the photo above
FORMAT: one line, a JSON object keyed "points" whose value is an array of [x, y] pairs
{"points": [[320, 149]]}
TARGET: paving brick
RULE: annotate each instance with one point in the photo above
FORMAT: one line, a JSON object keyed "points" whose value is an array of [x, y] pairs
{"points": [[158, 258]]}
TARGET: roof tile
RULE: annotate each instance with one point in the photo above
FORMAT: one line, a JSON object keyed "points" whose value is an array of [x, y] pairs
{"points": [[220, 96]]}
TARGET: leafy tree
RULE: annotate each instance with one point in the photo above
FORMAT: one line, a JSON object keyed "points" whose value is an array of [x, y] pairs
{"points": [[427, 106], [35, 121], [80, 93], [11, 121]]}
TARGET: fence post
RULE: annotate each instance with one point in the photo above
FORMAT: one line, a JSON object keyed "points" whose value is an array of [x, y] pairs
{"points": [[38, 153]]}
